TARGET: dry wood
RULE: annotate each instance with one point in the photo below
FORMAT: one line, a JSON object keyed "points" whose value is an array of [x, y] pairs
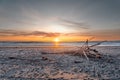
{"points": [[84, 50]]}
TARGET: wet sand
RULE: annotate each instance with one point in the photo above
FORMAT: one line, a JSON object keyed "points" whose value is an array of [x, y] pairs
{"points": [[28, 63]]}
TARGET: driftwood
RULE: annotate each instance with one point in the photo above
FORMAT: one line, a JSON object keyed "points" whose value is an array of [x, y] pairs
{"points": [[87, 51], [84, 50]]}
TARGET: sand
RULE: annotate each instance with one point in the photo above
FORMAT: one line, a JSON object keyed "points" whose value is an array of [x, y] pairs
{"points": [[22, 63]]}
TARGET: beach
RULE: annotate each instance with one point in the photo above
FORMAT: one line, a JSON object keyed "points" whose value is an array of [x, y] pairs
{"points": [[29, 63], [59, 39]]}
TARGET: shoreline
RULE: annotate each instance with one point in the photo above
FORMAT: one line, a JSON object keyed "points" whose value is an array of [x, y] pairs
{"points": [[51, 46]]}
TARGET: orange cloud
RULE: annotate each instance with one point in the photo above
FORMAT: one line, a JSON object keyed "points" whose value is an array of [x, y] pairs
{"points": [[12, 35]]}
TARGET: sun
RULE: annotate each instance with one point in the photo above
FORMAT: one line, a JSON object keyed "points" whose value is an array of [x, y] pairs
{"points": [[56, 40]]}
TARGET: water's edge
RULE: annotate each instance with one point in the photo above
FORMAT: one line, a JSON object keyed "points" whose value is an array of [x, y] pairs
{"points": [[40, 44]]}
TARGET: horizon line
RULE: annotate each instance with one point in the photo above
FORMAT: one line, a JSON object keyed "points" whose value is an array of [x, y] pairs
{"points": [[59, 42]]}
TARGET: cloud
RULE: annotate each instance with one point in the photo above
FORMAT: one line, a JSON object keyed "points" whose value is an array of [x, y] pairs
{"points": [[108, 34], [73, 24], [111, 34], [22, 33]]}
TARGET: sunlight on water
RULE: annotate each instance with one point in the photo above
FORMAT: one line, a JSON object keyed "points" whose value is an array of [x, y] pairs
{"points": [[55, 44]]}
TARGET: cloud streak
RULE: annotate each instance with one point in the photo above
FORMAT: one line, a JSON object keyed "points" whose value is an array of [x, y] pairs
{"points": [[109, 34], [21, 33], [106, 33], [98, 34], [73, 24]]}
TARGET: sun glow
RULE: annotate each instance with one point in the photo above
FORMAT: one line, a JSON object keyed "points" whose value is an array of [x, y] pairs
{"points": [[58, 28], [56, 40]]}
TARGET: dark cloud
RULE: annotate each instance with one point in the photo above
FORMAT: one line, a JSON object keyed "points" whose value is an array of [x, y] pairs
{"points": [[73, 24], [106, 33], [98, 34], [21, 33]]}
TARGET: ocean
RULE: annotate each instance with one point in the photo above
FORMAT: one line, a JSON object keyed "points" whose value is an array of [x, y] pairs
{"points": [[43, 44]]}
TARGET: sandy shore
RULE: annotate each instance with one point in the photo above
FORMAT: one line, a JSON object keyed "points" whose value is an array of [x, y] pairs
{"points": [[30, 64]]}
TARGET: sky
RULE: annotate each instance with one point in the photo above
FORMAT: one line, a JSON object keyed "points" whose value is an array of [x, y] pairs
{"points": [[67, 20]]}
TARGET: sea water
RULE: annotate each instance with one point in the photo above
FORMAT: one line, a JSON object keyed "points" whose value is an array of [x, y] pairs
{"points": [[40, 44]]}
